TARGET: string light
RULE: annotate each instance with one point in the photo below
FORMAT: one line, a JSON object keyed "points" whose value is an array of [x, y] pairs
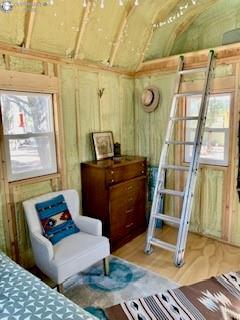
{"points": [[178, 14], [120, 2]]}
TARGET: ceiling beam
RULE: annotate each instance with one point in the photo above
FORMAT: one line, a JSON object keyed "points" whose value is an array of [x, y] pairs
{"points": [[82, 28], [117, 42], [29, 23]]}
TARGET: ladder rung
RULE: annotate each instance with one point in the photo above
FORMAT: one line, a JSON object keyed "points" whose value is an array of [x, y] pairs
{"points": [[172, 192], [168, 218], [189, 143], [185, 94], [173, 167], [189, 71], [162, 244], [184, 118]]}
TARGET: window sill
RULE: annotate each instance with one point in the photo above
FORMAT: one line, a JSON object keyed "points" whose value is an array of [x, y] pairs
{"points": [[35, 179]]}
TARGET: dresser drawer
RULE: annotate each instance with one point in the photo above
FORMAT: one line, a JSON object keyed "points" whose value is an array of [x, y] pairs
{"points": [[124, 173], [121, 212], [124, 220], [132, 190], [127, 207]]}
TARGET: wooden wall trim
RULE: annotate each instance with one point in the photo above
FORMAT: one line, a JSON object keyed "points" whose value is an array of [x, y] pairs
{"points": [[9, 218], [225, 54], [224, 84], [21, 81], [48, 57], [59, 130], [230, 181]]}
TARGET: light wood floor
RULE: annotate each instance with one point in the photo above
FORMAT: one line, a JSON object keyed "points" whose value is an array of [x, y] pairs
{"points": [[203, 258]]}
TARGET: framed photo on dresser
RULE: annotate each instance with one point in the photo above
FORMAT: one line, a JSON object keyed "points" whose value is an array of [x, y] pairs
{"points": [[103, 144]]}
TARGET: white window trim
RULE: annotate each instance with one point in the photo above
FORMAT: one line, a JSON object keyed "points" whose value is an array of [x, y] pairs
{"points": [[51, 135], [209, 161]]}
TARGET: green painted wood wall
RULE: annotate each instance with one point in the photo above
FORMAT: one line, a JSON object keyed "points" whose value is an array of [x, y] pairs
{"points": [[83, 112], [119, 110], [208, 210]]}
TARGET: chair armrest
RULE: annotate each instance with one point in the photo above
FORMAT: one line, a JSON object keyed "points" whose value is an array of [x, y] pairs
{"points": [[42, 247], [89, 225]]}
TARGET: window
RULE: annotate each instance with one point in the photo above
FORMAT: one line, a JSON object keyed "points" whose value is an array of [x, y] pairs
{"points": [[214, 149], [29, 137]]}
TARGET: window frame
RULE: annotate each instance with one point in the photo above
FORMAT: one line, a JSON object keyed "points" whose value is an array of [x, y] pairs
{"points": [[226, 131], [14, 178]]}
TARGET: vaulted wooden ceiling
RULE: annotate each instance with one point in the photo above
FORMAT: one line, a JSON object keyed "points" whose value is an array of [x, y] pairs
{"points": [[121, 36]]}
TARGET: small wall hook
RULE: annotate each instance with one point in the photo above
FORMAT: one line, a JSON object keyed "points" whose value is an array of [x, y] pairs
{"points": [[100, 92]]}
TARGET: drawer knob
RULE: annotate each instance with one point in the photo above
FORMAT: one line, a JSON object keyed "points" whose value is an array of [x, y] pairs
{"points": [[112, 172], [129, 211], [130, 188], [112, 180], [143, 172]]}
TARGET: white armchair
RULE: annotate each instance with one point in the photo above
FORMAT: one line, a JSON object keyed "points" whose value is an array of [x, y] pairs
{"points": [[72, 254]]}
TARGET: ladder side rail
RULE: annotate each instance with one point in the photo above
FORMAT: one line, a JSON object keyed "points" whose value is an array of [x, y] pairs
{"points": [[191, 181], [161, 171]]}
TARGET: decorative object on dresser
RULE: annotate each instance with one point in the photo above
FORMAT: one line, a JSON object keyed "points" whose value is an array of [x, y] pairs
{"points": [[103, 144], [117, 151], [115, 193]]}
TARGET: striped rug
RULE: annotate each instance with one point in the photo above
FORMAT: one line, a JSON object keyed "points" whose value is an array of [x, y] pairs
{"points": [[217, 298]]}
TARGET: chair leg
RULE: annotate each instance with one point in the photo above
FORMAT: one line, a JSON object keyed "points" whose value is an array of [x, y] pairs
{"points": [[60, 288], [106, 266]]}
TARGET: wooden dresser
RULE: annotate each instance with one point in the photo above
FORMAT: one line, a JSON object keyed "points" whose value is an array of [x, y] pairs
{"points": [[115, 193]]}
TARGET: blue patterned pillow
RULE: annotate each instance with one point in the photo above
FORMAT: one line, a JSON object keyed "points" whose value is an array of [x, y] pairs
{"points": [[56, 219]]}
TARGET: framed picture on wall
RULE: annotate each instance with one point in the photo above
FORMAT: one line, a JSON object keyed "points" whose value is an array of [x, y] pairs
{"points": [[103, 144]]}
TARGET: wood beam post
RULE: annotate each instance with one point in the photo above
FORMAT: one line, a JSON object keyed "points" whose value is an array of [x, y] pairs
{"points": [[29, 22], [117, 42], [230, 209], [82, 28]]}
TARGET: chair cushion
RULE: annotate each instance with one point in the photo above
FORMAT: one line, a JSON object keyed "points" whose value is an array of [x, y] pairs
{"points": [[81, 245], [76, 253], [56, 219]]}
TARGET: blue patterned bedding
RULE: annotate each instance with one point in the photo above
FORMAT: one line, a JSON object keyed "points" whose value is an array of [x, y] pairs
{"points": [[25, 297]]}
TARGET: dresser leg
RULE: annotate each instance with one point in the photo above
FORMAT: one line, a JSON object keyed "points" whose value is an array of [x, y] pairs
{"points": [[106, 266]]}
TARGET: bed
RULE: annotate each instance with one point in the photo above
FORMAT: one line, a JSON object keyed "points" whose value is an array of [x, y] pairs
{"points": [[25, 297], [214, 299]]}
